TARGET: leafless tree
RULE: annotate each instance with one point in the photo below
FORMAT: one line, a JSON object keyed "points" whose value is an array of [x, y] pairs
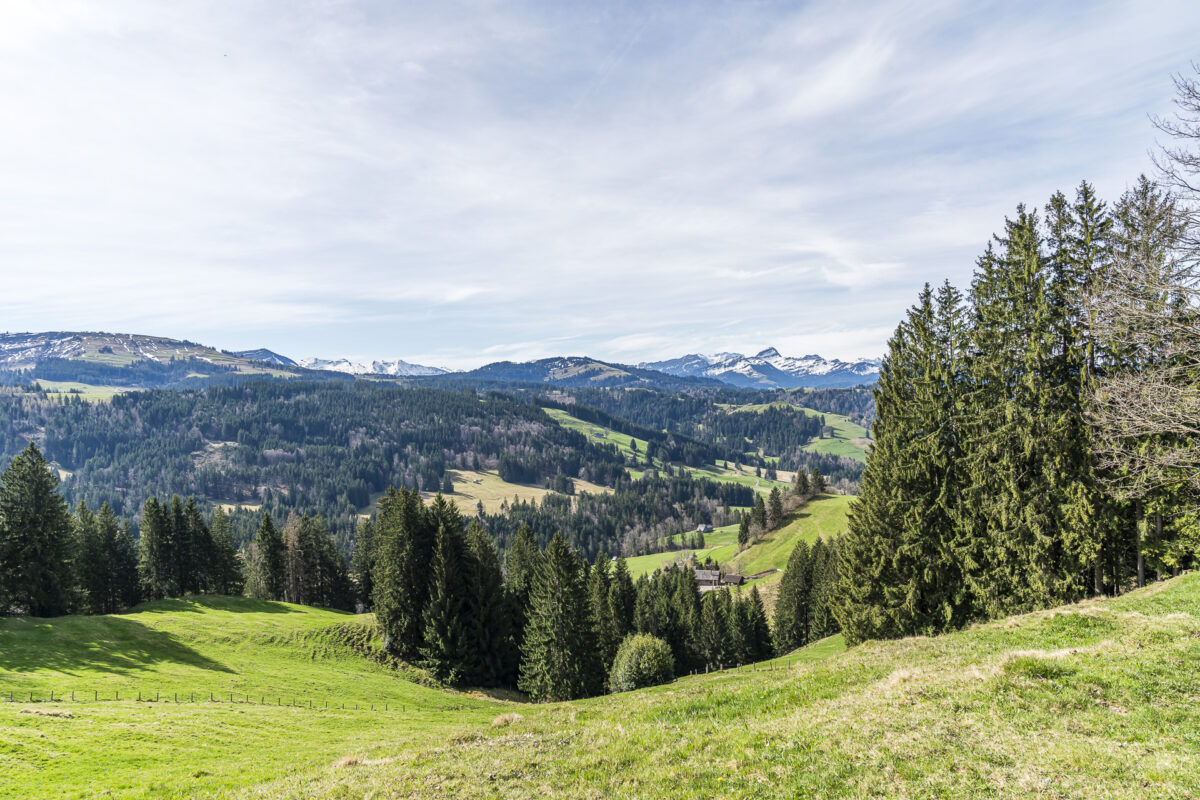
{"points": [[1145, 311]]}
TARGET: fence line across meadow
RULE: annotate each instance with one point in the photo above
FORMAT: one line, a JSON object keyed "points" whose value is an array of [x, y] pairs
{"points": [[214, 697], [246, 698]]}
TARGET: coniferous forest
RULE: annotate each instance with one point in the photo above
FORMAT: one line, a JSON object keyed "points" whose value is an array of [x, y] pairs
{"points": [[1005, 476]]}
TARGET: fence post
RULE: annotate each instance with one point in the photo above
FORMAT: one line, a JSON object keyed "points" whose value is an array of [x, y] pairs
{"points": [[95, 695]]}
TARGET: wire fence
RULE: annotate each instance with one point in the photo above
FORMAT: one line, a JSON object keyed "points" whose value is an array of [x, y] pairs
{"points": [[217, 698], [213, 697]]}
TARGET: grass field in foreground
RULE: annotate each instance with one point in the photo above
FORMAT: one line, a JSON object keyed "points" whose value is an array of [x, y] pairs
{"points": [[1093, 700], [1098, 699], [273, 652]]}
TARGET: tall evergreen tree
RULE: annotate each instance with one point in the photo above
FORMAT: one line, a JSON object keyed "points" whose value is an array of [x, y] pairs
{"points": [[714, 635], [555, 654], [622, 597], [268, 574], [404, 550], [36, 571], [903, 573], [156, 554], [362, 560], [445, 646], [491, 652], [775, 509], [791, 605], [521, 567], [1027, 545], [225, 568], [603, 624]]}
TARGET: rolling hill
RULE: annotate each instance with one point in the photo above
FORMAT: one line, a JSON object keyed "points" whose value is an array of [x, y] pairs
{"points": [[1096, 699]]}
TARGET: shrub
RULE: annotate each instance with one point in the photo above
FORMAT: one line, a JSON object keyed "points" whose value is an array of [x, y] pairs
{"points": [[642, 660]]}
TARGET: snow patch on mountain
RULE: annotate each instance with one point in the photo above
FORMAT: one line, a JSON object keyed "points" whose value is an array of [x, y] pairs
{"points": [[769, 369], [394, 368]]}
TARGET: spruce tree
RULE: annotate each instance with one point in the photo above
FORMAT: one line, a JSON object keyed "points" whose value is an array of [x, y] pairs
{"points": [[225, 568], [775, 509], [91, 571], [1025, 547], [603, 624], [714, 635], [491, 652], [362, 560], [555, 653], [156, 555], [622, 596], [36, 572], [800, 484], [791, 605], [758, 631], [521, 566], [401, 575], [445, 644], [267, 567], [903, 575]]}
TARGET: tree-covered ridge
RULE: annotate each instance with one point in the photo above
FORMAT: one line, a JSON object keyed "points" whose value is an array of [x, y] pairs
{"points": [[293, 446], [639, 517]]}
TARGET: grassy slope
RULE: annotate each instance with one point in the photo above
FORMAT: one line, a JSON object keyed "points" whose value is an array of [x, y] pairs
{"points": [[713, 472], [214, 645], [1094, 700], [720, 545], [824, 516], [849, 438], [85, 391]]}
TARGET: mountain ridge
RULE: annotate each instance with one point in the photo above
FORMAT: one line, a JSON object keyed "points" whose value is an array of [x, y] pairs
{"points": [[769, 369]]}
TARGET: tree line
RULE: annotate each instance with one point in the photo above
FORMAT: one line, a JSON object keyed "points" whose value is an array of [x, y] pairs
{"points": [[987, 492], [55, 562], [550, 623]]}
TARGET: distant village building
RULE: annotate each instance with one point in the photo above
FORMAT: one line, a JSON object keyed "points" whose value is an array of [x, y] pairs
{"points": [[731, 579], [704, 527], [708, 578]]}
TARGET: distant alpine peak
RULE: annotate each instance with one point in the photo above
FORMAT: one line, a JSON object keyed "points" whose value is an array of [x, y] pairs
{"points": [[768, 369], [393, 368]]}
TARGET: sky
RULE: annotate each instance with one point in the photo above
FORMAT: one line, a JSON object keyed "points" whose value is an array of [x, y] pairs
{"points": [[458, 183]]}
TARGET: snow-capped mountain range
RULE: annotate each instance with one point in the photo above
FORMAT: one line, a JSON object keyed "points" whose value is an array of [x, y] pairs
{"points": [[394, 368], [771, 370]]}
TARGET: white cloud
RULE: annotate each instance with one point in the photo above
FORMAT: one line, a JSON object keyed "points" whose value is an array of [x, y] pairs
{"points": [[457, 183]]}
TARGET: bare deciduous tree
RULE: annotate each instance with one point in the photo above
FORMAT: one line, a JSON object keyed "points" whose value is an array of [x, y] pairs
{"points": [[1146, 312]]}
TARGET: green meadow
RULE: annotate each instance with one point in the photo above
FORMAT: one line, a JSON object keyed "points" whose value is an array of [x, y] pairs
{"points": [[1092, 700]]}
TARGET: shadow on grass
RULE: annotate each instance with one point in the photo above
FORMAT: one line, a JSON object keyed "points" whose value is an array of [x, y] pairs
{"points": [[80, 645], [199, 603]]}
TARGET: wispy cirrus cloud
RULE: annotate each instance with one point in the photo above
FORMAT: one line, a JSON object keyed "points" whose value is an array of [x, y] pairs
{"points": [[459, 182]]}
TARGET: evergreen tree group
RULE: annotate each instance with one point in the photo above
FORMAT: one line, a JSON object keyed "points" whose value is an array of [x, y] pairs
{"points": [[982, 496], [805, 605]]}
